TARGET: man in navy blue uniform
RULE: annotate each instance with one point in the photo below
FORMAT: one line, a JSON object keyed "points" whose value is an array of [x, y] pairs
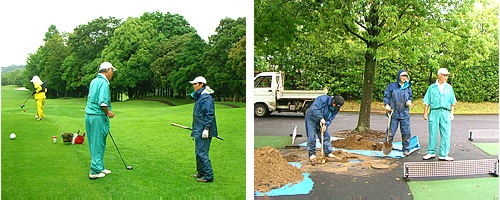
{"points": [[322, 111], [398, 99], [204, 128]]}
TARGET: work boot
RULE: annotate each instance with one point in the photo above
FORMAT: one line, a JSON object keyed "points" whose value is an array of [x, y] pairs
{"points": [[196, 176], [106, 171], [313, 157], [96, 176], [331, 155], [429, 156], [204, 180]]}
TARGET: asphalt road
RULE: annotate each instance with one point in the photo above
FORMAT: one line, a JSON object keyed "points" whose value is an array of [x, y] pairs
{"points": [[388, 185]]}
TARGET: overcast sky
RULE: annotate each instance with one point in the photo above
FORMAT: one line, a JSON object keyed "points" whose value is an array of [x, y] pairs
{"points": [[24, 22]]}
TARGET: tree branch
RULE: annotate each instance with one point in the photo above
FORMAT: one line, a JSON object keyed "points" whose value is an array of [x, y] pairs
{"points": [[359, 24], [352, 32], [459, 35], [409, 27]]}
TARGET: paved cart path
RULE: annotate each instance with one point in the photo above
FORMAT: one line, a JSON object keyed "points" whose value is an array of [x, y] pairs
{"points": [[387, 185]]}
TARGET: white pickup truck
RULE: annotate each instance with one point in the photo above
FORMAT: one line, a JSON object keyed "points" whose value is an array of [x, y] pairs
{"points": [[270, 95]]}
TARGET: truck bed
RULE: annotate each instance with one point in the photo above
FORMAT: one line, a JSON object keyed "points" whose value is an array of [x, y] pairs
{"points": [[299, 94]]}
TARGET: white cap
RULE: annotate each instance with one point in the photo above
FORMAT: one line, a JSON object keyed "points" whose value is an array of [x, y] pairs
{"points": [[36, 79], [443, 71], [106, 65], [199, 79], [403, 73]]}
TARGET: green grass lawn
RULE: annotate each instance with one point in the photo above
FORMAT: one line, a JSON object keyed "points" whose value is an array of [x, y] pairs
{"points": [[489, 148], [472, 188], [162, 155]]}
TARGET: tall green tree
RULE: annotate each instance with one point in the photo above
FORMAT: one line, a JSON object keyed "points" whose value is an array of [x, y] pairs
{"points": [[228, 33], [130, 51], [237, 63], [47, 62]]}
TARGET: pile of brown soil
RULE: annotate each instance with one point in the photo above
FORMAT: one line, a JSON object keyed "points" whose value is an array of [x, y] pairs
{"points": [[272, 171], [359, 141]]}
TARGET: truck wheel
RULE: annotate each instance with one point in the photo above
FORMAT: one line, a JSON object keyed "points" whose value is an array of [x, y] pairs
{"points": [[260, 110]]}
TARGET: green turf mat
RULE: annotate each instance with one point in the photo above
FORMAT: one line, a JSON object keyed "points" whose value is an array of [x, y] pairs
{"points": [[489, 148], [472, 188], [272, 141]]}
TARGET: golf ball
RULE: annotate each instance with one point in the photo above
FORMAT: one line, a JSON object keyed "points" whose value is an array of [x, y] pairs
{"points": [[12, 136]]}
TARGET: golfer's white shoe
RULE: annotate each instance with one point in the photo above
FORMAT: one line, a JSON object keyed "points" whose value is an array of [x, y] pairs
{"points": [[331, 155], [429, 156], [105, 171], [94, 176], [312, 157], [447, 158]]}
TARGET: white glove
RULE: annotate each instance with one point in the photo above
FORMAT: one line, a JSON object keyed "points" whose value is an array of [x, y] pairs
{"points": [[388, 107], [204, 134], [408, 103], [322, 121], [452, 117]]}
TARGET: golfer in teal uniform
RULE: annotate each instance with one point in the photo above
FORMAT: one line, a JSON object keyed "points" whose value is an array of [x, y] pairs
{"points": [[440, 98], [97, 114]]}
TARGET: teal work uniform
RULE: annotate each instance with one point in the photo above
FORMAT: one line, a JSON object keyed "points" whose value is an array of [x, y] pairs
{"points": [[97, 122], [440, 103]]}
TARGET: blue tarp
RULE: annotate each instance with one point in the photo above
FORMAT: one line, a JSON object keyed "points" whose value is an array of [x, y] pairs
{"points": [[303, 187], [397, 148]]}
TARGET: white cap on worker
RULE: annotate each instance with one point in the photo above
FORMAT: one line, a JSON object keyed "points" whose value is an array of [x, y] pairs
{"points": [[199, 79], [403, 73], [106, 65], [443, 71]]}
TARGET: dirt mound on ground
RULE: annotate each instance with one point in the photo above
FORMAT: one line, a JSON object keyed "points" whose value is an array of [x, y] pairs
{"points": [[272, 171], [359, 141]]}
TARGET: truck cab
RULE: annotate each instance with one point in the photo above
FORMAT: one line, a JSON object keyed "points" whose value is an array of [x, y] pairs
{"points": [[270, 95]]}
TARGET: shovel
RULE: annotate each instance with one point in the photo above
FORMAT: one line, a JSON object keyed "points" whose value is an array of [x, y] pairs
{"points": [[387, 146], [294, 135], [322, 157]]}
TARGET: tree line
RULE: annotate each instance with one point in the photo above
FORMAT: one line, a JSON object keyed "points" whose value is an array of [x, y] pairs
{"points": [[355, 48], [155, 54]]}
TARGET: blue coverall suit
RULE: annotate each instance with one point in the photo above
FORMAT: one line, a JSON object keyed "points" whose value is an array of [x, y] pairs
{"points": [[97, 122], [440, 103], [320, 108], [396, 96], [203, 118]]}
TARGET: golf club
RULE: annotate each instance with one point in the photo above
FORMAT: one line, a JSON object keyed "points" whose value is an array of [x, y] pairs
{"points": [[22, 105], [128, 167], [189, 128]]}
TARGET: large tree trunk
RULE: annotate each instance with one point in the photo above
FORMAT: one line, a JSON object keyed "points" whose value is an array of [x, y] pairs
{"points": [[368, 80]]}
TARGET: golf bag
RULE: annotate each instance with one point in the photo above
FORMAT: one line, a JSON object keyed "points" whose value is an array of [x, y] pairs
{"points": [[80, 138]]}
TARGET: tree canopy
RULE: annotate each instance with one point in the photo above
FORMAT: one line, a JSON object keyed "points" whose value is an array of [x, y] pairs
{"points": [[355, 48], [155, 54]]}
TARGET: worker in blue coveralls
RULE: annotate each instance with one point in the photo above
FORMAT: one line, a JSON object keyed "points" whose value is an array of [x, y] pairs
{"points": [[97, 114], [204, 128], [398, 99], [323, 110], [440, 98]]}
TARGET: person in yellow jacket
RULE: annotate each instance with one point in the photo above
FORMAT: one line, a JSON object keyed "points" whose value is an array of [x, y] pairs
{"points": [[39, 95]]}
